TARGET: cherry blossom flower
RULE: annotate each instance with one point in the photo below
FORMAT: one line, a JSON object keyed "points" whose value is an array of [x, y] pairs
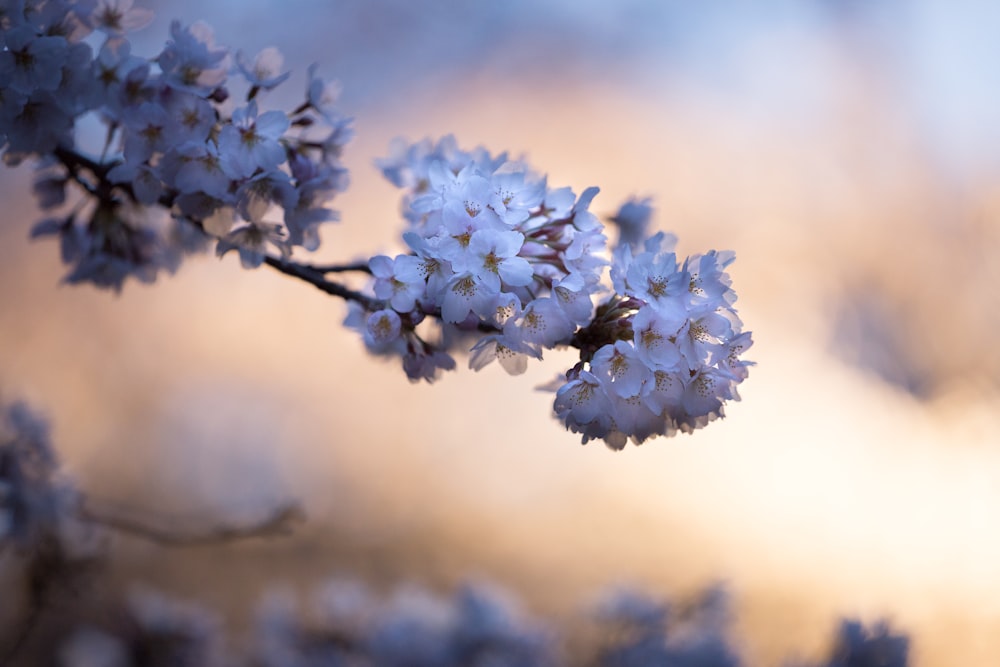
{"points": [[190, 61], [33, 62], [250, 142], [252, 240], [394, 283], [116, 17], [265, 71], [633, 219]]}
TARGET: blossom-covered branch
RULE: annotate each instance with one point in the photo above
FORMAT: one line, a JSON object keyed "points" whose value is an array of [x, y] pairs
{"points": [[500, 264]]}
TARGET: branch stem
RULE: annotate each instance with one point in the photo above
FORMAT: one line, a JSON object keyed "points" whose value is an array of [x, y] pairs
{"points": [[315, 275], [316, 278], [278, 523]]}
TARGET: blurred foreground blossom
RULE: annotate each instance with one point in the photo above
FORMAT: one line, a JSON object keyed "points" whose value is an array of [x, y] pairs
{"points": [[641, 631], [632, 219], [478, 626], [37, 503], [856, 645], [494, 250], [155, 631], [663, 354]]}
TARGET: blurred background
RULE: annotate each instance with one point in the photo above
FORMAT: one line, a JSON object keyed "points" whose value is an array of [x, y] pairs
{"points": [[848, 151]]}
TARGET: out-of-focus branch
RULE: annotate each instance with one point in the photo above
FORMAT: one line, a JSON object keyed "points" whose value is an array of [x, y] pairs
{"points": [[278, 523]]}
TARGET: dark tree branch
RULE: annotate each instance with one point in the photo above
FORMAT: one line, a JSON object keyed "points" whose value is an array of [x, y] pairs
{"points": [[315, 275], [74, 162], [315, 278], [358, 267], [279, 523]]}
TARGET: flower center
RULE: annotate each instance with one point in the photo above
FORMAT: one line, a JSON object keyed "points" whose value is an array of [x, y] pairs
{"points": [[658, 286], [492, 262]]}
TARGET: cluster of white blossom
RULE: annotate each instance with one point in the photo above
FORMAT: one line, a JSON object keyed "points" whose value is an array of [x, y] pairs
{"points": [[497, 251], [174, 141], [494, 250], [663, 354], [499, 263]]}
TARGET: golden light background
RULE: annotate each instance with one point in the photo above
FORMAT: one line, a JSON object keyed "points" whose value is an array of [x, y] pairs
{"points": [[847, 154]]}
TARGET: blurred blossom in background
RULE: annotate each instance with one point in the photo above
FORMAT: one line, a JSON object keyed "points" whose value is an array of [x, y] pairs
{"points": [[847, 151]]}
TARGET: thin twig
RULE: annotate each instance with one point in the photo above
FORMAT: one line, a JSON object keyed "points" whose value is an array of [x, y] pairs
{"points": [[279, 523], [73, 160], [358, 267], [316, 279], [315, 275]]}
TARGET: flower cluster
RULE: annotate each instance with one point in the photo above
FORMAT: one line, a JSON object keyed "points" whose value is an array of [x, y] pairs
{"points": [[663, 354], [500, 264], [172, 145], [494, 249]]}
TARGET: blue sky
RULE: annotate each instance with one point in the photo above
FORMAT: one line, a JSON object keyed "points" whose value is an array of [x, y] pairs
{"points": [[935, 59]]}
